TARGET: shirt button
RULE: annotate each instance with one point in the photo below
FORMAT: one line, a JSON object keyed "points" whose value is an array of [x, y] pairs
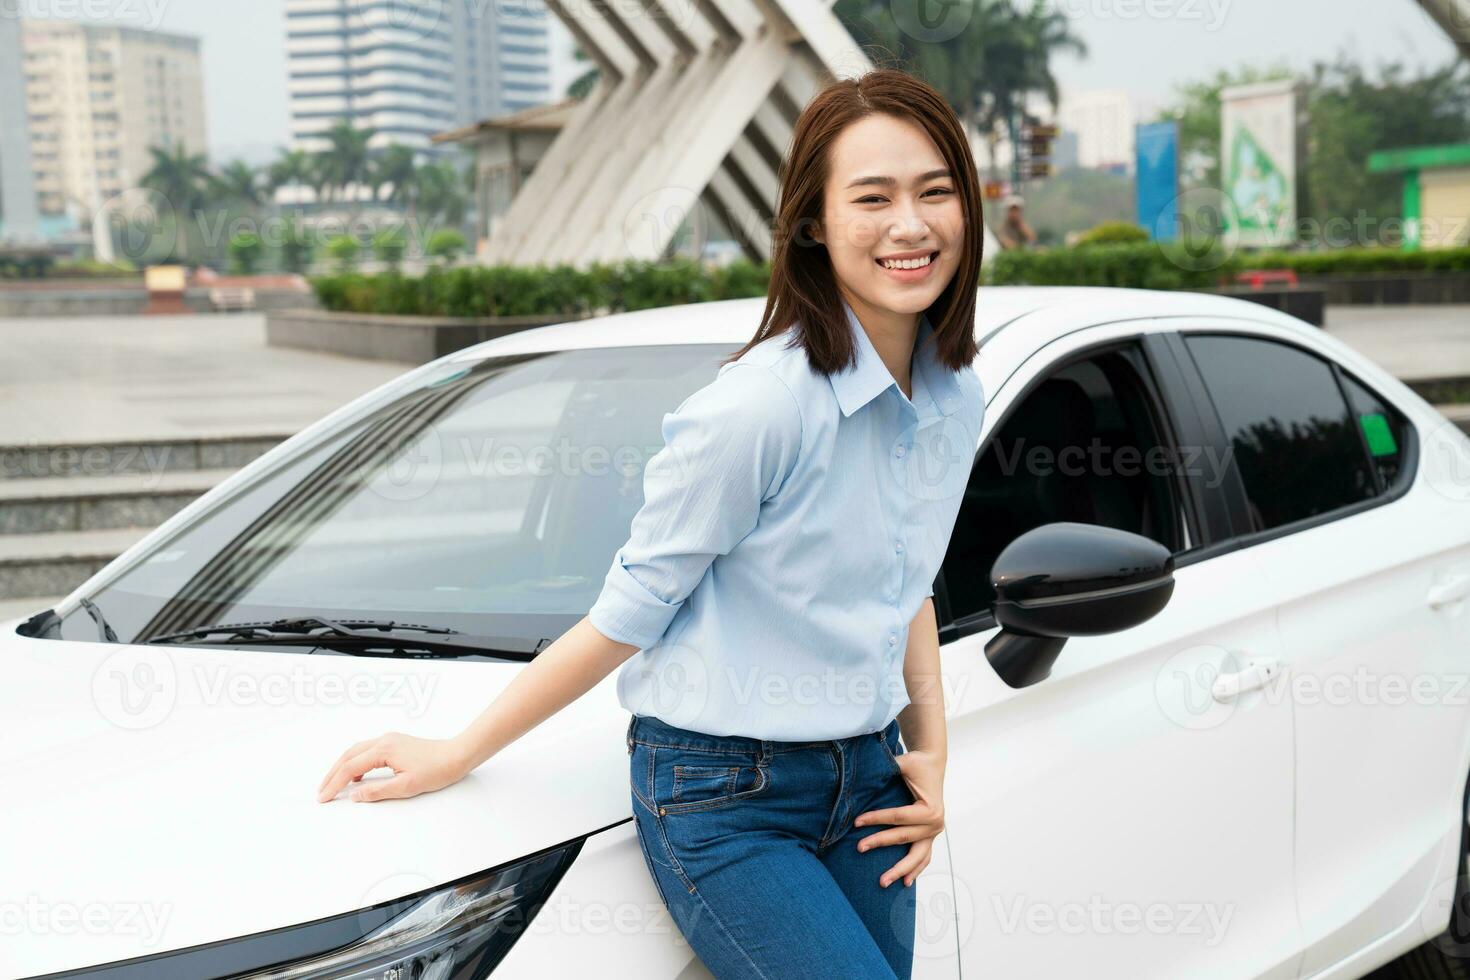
{"points": [[899, 451], [893, 639], [898, 547]]}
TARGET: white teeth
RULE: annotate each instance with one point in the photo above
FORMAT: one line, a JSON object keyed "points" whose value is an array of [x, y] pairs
{"points": [[918, 263]]}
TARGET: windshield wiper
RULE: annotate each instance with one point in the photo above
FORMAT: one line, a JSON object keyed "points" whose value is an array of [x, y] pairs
{"points": [[105, 631], [359, 636]]}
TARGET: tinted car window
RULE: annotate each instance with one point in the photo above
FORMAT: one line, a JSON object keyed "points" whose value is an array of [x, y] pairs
{"points": [[1292, 439], [1383, 428], [1084, 444]]}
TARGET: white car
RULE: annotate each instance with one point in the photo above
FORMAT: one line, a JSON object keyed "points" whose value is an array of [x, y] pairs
{"points": [[1205, 638]]}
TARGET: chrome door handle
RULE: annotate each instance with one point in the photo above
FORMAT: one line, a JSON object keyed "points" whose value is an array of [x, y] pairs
{"points": [[1257, 673]]}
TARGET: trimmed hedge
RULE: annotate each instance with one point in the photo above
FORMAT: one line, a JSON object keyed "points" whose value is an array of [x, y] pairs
{"points": [[1349, 261], [1145, 265], [488, 291], [1149, 265]]}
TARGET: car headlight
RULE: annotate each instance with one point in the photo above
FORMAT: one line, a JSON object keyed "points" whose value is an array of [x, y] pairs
{"points": [[458, 931]]}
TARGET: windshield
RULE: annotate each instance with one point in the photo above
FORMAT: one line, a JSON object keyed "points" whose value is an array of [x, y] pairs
{"points": [[487, 497]]}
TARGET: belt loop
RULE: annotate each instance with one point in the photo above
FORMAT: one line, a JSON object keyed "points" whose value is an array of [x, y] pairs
{"points": [[766, 751]]}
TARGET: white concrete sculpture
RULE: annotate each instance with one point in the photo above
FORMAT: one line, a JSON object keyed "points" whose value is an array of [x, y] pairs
{"points": [[693, 110]]}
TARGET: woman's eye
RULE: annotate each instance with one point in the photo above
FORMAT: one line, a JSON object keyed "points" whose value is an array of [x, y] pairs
{"points": [[876, 198]]}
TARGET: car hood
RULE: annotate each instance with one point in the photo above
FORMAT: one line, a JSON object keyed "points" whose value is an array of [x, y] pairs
{"points": [[161, 797]]}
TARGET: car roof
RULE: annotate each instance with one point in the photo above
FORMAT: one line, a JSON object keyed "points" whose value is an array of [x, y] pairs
{"points": [[734, 321]]}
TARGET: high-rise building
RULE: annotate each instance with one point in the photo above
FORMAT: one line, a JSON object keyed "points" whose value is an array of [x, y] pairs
{"points": [[17, 186], [1103, 121], [413, 68], [99, 97]]}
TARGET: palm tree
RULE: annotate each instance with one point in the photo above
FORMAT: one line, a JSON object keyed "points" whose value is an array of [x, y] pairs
{"points": [[292, 168], [986, 55], [180, 177], [346, 161], [395, 168], [441, 193], [239, 181]]}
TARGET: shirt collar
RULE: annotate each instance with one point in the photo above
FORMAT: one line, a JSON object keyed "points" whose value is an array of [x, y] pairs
{"points": [[864, 381]]}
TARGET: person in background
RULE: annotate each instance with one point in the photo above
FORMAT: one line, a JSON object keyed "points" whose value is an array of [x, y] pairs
{"points": [[1014, 232]]}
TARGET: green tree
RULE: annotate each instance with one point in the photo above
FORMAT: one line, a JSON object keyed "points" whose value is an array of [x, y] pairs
{"points": [[986, 56], [1353, 115], [238, 181], [441, 195], [344, 250], [246, 251], [446, 245], [291, 168], [181, 178], [395, 169], [296, 248], [346, 161], [389, 245]]}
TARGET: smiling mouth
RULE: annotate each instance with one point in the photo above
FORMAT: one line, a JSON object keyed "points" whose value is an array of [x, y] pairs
{"points": [[906, 264]]}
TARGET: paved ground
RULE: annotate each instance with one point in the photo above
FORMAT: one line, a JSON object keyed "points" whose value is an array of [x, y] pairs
{"points": [[100, 378], [84, 379], [1411, 341]]}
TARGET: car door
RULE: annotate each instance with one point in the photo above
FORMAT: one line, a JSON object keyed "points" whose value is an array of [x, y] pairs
{"points": [[1370, 565], [1114, 819]]}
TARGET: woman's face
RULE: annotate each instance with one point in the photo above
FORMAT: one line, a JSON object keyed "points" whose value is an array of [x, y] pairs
{"points": [[889, 195]]}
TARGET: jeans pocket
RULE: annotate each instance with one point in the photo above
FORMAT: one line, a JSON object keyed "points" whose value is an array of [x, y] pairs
{"points": [[686, 780]]}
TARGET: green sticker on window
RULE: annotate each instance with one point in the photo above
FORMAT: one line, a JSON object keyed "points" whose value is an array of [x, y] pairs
{"points": [[1379, 435]]}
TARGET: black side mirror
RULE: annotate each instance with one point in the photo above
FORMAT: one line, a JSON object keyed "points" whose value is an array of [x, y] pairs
{"points": [[1067, 579]]}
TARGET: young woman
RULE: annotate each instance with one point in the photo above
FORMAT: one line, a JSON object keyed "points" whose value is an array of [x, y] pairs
{"points": [[771, 609]]}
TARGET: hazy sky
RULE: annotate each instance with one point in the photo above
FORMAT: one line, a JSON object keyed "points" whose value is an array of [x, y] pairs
{"points": [[1144, 46]]}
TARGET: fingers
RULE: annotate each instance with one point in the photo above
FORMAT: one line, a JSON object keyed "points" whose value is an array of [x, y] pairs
{"points": [[365, 761], [394, 788], [910, 865], [351, 751], [894, 835], [909, 813]]}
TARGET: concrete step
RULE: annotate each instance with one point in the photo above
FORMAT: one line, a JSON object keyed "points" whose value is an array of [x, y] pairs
{"points": [[55, 562], [90, 503], [148, 456]]}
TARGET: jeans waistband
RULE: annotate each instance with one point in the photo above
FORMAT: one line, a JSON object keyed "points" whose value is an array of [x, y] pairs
{"points": [[650, 730]]}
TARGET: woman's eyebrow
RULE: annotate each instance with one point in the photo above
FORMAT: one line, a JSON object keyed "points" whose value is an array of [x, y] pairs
{"points": [[889, 181]]}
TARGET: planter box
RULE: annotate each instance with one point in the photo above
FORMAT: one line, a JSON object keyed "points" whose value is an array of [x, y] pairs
{"points": [[406, 339], [128, 301], [1394, 288], [1307, 302]]}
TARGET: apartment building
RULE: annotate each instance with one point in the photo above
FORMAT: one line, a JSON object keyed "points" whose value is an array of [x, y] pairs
{"points": [[98, 97], [413, 68]]}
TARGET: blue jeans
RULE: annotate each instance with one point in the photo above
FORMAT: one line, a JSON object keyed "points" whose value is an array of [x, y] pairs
{"points": [[751, 844]]}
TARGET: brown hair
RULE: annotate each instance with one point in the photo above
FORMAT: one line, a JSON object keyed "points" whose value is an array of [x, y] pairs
{"points": [[803, 290]]}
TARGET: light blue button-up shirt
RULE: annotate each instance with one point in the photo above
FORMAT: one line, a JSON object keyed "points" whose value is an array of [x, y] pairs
{"points": [[792, 525]]}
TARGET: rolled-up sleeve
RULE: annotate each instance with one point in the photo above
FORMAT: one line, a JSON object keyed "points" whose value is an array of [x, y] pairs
{"points": [[727, 448]]}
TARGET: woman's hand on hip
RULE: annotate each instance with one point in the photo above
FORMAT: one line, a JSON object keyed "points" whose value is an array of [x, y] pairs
{"points": [[919, 822], [420, 765]]}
